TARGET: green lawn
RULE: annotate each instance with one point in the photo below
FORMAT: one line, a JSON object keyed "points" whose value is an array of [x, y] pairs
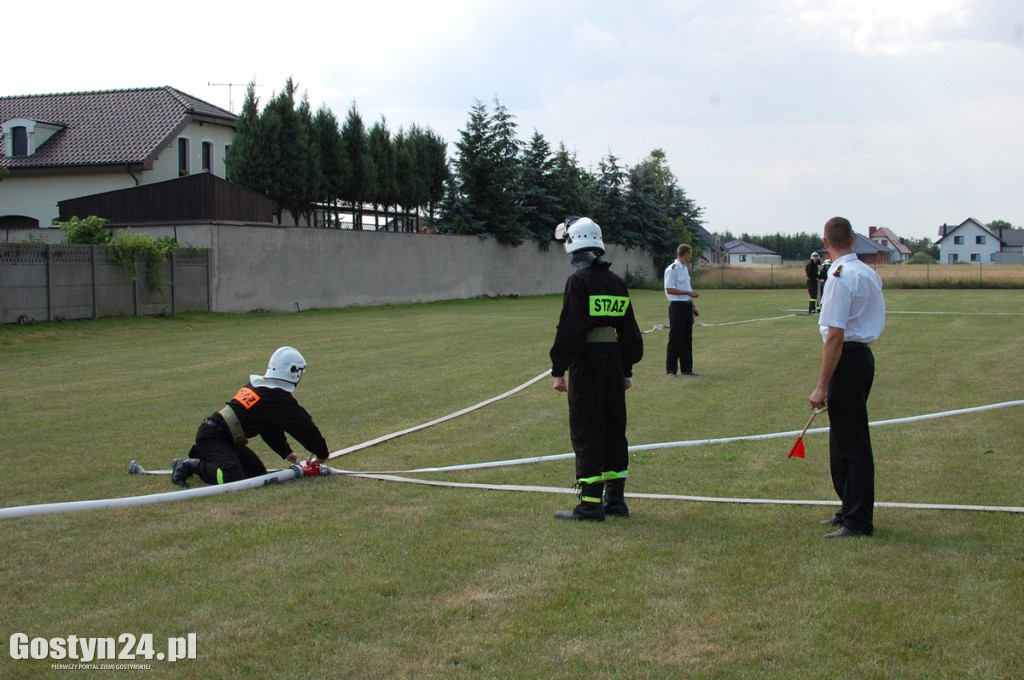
{"points": [[342, 577]]}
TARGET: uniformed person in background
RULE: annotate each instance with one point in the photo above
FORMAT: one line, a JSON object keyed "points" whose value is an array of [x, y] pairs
{"points": [[597, 342], [811, 271], [852, 317], [264, 407], [681, 313]]}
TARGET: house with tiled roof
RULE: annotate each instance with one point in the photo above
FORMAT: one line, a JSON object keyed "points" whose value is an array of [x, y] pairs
{"points": [[973, 242], [884, 236], [63, 146], [866, 250]]}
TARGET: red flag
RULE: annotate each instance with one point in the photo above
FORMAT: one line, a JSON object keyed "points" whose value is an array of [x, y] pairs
{"points": [[798, 449]]}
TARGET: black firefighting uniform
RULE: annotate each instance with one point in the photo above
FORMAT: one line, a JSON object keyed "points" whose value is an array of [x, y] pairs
{"points": [[811, 271], [269, 412], [597, 298]]}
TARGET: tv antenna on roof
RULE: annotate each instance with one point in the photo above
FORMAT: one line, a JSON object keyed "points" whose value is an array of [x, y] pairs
{"points": [[231, 101]]}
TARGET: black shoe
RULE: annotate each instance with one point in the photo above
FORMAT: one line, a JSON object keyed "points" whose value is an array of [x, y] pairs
{"points": [[690, 373], [846, 532], [615, 498], [834, 520], [182, 469], [583, 512], [619, 509]]}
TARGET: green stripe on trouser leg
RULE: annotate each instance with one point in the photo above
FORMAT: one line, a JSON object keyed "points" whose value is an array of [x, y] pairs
{"points": [[589, 507]]}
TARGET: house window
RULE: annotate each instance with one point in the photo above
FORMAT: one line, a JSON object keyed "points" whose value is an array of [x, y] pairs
{"points": [[975, 257], [183, 164], [207, 157], [980, 239], [958, 240], [19, 142], [953, 258]]}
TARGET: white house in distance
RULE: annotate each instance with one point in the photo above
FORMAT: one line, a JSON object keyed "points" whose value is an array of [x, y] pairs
{"points": [[741, 252], [972, 242], [884, 236], [63, 146]]}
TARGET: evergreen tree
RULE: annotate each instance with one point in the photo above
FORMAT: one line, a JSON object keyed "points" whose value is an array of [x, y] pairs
{"points": [[246, 161], [384, 190], [292, 165], [334, 165], [357, 189], [539, 207]]}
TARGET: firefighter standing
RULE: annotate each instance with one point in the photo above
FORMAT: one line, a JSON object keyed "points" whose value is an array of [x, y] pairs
{"points": [[265, 407], [811, 270], [597, 342]]}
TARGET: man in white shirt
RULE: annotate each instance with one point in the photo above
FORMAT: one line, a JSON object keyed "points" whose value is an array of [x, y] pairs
{"points": [[681, 311], [852, 317]]}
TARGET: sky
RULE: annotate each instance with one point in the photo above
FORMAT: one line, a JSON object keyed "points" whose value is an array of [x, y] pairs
{"points": [[774, 115]]}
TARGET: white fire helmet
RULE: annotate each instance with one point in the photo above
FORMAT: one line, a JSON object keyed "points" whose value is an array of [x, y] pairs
{"points": [[815, 255], [284, 369], [580, 233]]}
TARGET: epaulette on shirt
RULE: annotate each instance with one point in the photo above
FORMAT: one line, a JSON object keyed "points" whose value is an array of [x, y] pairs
{"points": [[838, 272], [673, 265]]}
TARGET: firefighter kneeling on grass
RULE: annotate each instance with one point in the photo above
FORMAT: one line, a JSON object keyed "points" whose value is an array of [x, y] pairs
{"points": [[597, 343], [265, 407]]}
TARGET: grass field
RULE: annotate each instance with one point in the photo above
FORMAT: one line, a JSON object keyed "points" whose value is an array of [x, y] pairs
{"points": [[341, 577]]}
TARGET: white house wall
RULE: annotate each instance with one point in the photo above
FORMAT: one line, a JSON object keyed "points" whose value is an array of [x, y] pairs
{"points": [[985, 252], [37, 195]]}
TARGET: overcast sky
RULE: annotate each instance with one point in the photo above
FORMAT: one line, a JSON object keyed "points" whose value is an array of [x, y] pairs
{"points": [[774, 114]]}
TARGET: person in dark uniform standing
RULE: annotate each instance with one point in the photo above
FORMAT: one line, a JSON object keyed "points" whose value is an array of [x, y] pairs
{"points": [[264, 407], [852, 317], [681, 312], [597, 342], [811, 270]]}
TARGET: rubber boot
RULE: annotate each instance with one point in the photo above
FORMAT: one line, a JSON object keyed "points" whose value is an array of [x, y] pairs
{"points": [[182, 469], [812, 306], [615, 498], [589, 508]]}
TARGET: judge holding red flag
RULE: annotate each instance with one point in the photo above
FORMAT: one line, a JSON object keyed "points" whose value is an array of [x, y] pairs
{"points": [[852, 316]]}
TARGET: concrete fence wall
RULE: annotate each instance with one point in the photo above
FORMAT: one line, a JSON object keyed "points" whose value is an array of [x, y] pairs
{"points": [[52, 282], [275, 268]]}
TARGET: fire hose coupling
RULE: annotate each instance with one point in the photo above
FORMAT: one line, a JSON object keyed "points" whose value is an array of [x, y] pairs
{"points": [[313, 468]]}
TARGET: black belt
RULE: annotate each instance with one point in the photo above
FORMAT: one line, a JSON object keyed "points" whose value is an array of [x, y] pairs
{"points": [[851, 344], [681, 302]]}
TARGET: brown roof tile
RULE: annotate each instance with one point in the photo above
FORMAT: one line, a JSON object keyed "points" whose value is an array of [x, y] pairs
{"points": [[116, 127]]}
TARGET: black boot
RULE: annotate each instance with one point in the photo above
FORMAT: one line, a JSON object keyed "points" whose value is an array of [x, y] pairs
{"points": [[812, 306], [182, 469], [615, 497], [589, 507]]}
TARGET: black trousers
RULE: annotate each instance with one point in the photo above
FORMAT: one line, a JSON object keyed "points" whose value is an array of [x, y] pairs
{"points": [[850, 456], [597, 411], [222, 461], [679, 354]]}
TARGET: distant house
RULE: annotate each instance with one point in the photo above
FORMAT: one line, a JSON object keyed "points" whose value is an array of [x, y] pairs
{"points": [[741, 252], [971, 241], [64, 146], [884, 236], [866, 250]]}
